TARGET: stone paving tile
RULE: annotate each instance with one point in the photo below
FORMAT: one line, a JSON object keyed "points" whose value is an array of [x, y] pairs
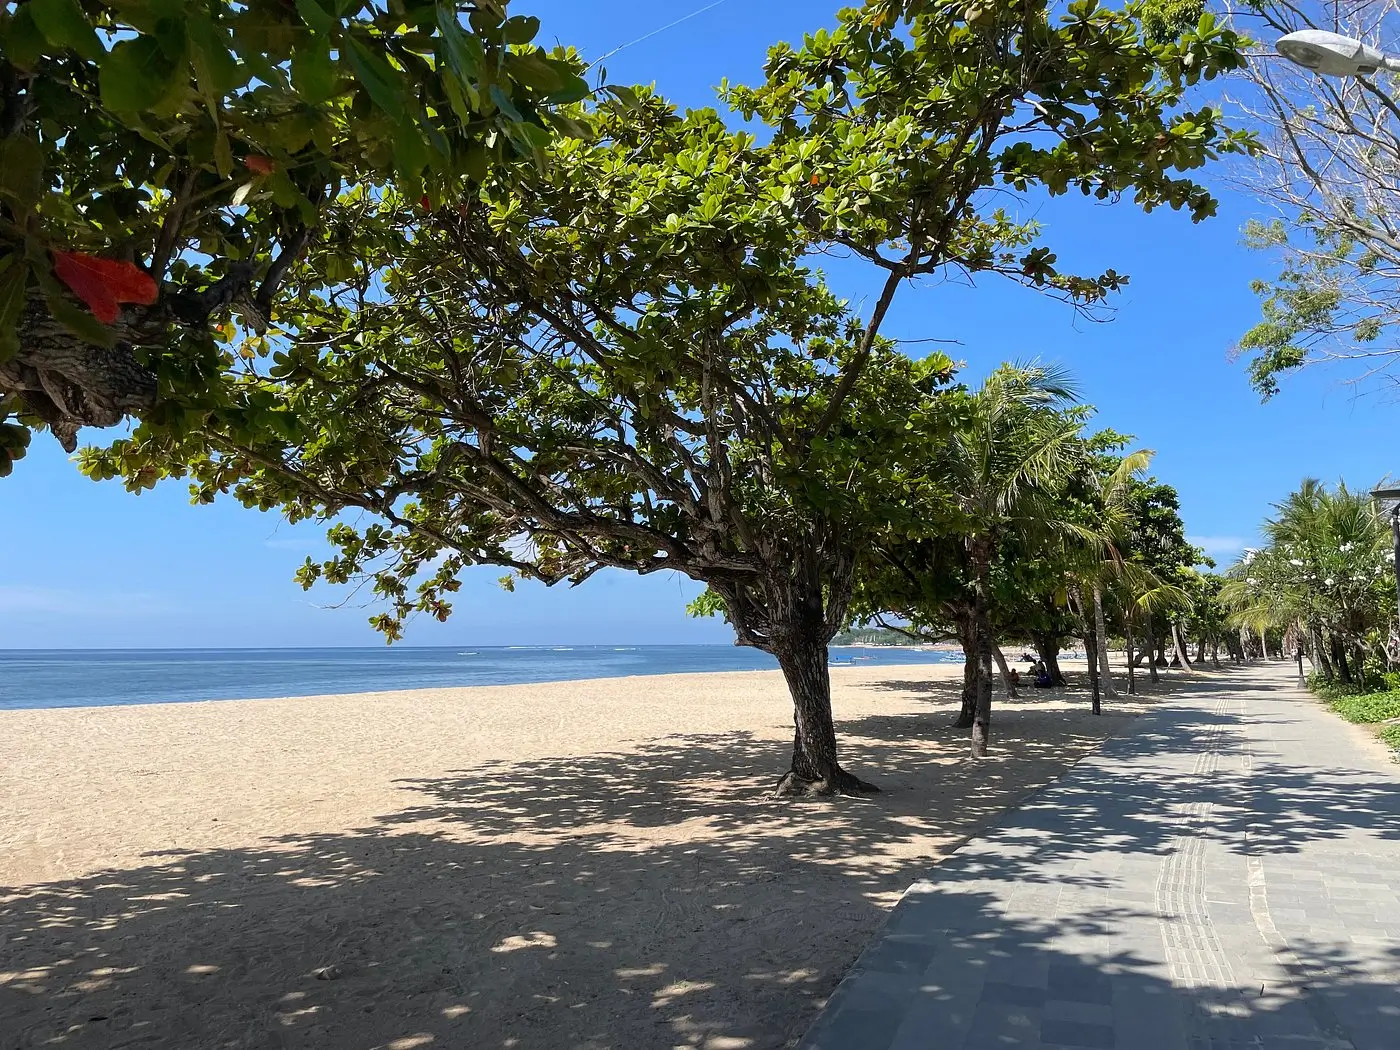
{"points": [[1227, 877]]}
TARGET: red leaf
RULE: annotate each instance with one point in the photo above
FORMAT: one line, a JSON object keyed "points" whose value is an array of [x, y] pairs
{"points": [[256, 162], [816, 180], [425, 203], [104, 283]]}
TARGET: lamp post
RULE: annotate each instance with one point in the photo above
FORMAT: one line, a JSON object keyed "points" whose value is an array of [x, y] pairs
{"points": [[1393, 496], [1332, 54]]}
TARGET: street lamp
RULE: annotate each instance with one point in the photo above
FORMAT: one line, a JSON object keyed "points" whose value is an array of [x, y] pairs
{"points": [[1332, 54], [1393, 495]]}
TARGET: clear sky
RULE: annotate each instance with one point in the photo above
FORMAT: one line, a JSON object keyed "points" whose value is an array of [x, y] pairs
{"points": [[88, 565]]}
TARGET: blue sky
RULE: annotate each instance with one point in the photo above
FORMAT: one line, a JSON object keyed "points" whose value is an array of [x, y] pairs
{"points": [[88, 565]]}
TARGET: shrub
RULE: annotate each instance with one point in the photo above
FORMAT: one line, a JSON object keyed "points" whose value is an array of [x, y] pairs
{"points": [[1372, 707]]}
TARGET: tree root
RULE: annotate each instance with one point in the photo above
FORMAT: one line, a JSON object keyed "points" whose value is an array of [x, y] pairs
{"points": [[793, 785]]}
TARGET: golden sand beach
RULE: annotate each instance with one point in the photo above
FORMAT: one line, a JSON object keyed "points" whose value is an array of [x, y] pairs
{"points": [[580, 865]]}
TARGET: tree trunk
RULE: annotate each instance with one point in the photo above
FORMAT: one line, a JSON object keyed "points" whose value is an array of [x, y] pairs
{"points": [[1006, 678], [1318, 654], [1132, 660], [1101, 640], [1339, 661], [1215, 653], [802, 655], [1151, 652], [1244, 643], [1091, 657], [1047, 648], [981, 607], [1201, 650], [967, 638], [1180, 648]]}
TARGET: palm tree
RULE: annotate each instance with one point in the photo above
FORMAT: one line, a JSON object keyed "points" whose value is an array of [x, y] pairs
{"points": [[1018, 443], [1324, 574]]}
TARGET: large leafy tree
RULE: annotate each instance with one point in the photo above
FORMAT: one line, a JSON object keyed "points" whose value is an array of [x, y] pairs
{"points": [[1016, 442], [164, 164], [1326, 574], [620, 359]]}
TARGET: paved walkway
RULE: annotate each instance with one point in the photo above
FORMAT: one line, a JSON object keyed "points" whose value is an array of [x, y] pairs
{"points": [[1225, 877]]}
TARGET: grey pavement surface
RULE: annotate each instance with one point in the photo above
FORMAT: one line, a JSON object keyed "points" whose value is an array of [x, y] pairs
{"points": [[1225, 877]]}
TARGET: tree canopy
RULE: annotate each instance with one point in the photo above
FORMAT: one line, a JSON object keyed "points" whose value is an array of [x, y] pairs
{"points": [[622, 357], [1325, 576], [165, 165]]}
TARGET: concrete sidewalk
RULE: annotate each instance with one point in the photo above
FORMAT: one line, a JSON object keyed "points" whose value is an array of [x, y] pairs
{"points": [[1225, 877]]}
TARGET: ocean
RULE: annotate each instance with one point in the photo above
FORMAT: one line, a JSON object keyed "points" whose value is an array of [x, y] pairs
{"points": [[32, 678]]}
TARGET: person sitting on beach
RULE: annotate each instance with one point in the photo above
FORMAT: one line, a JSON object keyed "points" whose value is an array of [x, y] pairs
{"points": [[1042, 675], [1015, 677]]}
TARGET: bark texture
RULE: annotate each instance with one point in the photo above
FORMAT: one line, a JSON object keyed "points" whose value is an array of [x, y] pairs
{"points": [[967, 638], [71, 383], [1006, 679], [1101, 640]]}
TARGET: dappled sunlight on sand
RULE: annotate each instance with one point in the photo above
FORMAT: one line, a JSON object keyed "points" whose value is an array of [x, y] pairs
{"points": [[593, 864]]}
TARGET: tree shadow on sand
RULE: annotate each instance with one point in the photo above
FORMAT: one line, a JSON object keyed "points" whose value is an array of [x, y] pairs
{"points": [[635, 900], [652, 898]]}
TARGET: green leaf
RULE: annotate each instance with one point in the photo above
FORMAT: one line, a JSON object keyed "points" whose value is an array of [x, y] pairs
{"points": [[463, 51], [64, 25], [21, 171], [378, 78], [136, 75], [313, 72], [411, 153], [520, 29], [79, 321], [316, 18], [504, 104], [20, 40], [14, 279], [215, 68]]}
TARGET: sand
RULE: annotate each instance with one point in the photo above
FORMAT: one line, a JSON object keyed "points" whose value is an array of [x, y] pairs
{"points": [[572, 865]]}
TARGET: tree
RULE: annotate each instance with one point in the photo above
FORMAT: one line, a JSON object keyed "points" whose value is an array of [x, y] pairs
{"points": [[620, 360], [164, 164], [1325, 574], [1156, 543], [1015, 442], [1329, 150]]}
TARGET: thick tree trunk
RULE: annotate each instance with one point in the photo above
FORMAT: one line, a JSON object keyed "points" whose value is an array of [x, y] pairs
{"points": [[1101, 640], [1180, 648], [1201, 650], [967, 638], [1245, 643], [1047, 648], [1006, 678], [70, 383], [1215, 654], [1151, 652], [1132, 659], [815, 770]]}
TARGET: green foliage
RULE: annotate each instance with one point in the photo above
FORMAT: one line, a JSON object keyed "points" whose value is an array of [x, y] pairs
{"points": [[1326, 570], [1367, 707], [1391, 736], [210, 142], [620, 357], [1164, 20]]}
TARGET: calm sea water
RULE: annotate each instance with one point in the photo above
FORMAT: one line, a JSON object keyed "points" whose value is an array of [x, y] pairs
{"points": [[106, 677]]}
